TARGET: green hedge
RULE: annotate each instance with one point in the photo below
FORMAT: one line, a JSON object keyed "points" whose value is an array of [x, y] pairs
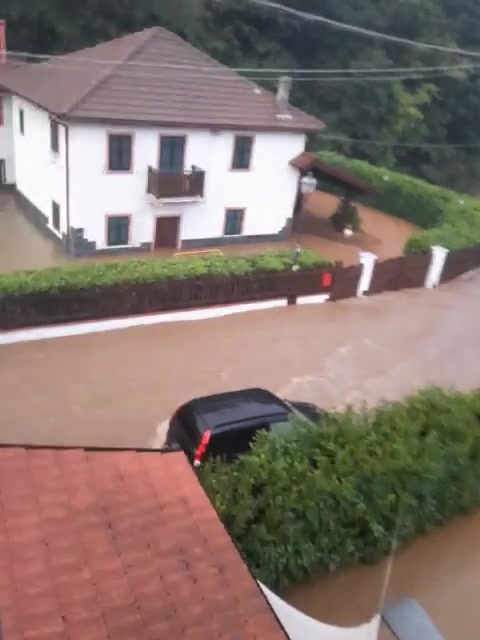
{"points": [[449, 219], [103, 274], [330, 496]]}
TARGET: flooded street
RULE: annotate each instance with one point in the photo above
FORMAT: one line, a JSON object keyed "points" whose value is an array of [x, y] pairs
{"points": [[382, 234], [22, 246], [441, 571], [119, 389]]}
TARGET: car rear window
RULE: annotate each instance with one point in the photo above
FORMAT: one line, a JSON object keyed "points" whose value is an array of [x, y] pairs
{"points": [[187, 418], [280, 426], [229, 443], [237, 440]]}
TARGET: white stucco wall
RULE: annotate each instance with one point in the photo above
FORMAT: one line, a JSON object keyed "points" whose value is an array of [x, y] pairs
{"points": [[6, 138], [267, 191], [40, 174]]}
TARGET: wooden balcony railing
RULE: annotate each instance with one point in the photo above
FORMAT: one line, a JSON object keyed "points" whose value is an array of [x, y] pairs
{"points": [[189, 184]]}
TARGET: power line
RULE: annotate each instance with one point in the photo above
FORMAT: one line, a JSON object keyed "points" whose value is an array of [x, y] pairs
{"points": [[413, 145], [66, 63], [378, 70], [74, 58], [305, 15], [385, 78], [77, 65]]}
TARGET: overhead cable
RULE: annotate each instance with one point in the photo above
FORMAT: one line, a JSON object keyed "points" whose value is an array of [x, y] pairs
{"points": [[305, 15], [131, 72], [75, 58], [413, 145]]}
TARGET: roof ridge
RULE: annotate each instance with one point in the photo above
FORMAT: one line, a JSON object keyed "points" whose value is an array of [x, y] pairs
{"points": [[217, 63], [149, 32], [77, 447], [248, 82], [112, 87]]}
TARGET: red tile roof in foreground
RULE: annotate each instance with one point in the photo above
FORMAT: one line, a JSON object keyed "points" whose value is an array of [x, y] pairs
{"points": [[118, 546]]}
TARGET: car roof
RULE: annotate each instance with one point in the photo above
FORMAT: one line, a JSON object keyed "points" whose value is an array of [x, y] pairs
{"points": [[222, 409]]}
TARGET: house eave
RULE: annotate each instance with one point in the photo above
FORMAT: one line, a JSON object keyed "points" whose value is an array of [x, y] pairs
{"points": [[281, 127]]}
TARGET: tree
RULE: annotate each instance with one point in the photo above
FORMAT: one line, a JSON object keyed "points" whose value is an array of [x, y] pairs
{"points": [[424, 111], [428, 111]]}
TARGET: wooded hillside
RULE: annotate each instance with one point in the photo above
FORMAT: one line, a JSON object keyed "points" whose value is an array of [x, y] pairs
{"points": [[436, 107]]}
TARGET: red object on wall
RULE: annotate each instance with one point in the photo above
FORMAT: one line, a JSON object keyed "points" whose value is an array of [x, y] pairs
{"points": [[3, 43], [327, 280]]}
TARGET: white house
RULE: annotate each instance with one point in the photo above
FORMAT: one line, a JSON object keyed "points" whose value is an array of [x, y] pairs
{"points": [[145, 141]]}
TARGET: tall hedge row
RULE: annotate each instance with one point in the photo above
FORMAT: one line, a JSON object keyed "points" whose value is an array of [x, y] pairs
{"points": [[331, 495], [447, 218], [85, 275]]}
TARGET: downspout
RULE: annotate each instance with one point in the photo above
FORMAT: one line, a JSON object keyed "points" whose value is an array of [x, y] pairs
{"points": [[68, 238]]}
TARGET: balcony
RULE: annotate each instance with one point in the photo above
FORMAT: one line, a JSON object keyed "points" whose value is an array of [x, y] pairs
{"points": [[188, 185]]}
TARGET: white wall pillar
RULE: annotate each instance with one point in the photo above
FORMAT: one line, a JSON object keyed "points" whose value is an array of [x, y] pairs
{"points": [[367, 260], [435, 269]]}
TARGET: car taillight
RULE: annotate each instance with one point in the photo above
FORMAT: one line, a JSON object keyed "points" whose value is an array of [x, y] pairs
{"points": [[200, 452]]}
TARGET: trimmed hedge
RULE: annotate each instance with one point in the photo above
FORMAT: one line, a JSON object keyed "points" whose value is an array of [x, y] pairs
{"points": [[449, 219], [93, 275], [331, 496]]}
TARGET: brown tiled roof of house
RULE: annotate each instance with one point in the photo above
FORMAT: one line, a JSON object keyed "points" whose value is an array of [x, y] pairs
{"points": [[7, 67], [152, 77], [118, 546]]}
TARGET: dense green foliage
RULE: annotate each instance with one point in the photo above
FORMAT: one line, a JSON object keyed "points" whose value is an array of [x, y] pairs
{"points": [[56, 26], [347, 216], [450, 219], [442, 108], [333, 495], [103, 274]]}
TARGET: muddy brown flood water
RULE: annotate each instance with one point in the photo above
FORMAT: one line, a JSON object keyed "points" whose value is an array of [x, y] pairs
{"points": [[23, 246], [119, 389], [440, 570]]}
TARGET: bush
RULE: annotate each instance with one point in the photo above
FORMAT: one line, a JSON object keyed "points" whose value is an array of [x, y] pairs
{"points": [[450, 219], [331, 496], [103, 274], [348, 217]]}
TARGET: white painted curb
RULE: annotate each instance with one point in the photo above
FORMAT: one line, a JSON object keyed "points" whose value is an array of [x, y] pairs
{"points": [[114, 324], [317, 299]]}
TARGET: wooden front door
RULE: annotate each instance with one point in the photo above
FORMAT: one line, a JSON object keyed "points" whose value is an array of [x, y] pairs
{"points": [[166, 232]]}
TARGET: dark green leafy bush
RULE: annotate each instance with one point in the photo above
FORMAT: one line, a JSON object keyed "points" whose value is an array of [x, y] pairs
{"points": [[449, 219], [331, 496], [347, 217], [104, 274]]}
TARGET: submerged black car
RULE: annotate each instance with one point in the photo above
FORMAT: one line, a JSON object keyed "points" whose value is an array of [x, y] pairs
{"points": [[225, 424]]}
